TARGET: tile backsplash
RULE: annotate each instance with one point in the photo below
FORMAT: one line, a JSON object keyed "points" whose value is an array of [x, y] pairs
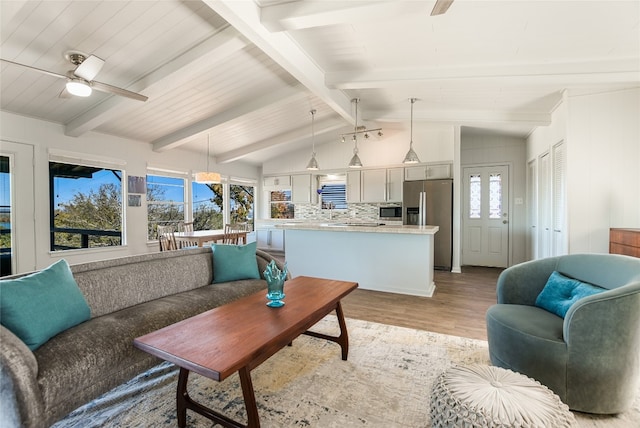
{"points": [[360, 212]]}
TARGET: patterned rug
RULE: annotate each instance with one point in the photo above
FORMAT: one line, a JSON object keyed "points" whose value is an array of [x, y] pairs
{"points": [[386, 382]]}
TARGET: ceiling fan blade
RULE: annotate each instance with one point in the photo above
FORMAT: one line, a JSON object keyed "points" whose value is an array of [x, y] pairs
{"points": [[89, 68], [103, 87], [50, 73], [441, 7]]}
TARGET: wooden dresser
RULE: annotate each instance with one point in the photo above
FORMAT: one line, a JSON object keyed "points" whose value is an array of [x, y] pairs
{"points": [[624, 241]]}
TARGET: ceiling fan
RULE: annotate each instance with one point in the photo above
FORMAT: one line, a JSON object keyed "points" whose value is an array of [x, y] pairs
{"points": [[441, 7], [80, 80]]}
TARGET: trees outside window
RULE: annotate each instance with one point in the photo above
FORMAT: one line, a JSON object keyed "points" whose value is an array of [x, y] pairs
{"points": [[86, 206], [165, 202], [208, 204], [241, 204]]}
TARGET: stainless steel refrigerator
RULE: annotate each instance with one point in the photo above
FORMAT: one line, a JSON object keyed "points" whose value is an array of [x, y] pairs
{"points": [[430, 202]]}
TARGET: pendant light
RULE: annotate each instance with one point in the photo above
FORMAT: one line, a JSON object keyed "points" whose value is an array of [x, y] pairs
{"points": [[411, 156], [313, 163], [355, 161], [207, 177]]}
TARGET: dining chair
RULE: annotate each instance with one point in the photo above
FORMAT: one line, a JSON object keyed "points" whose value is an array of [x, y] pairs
{"points": [[232, 233], [187, 227], [166, 239]]}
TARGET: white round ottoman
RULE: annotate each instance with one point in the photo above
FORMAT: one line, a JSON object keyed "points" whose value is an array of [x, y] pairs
{"points": [[486, 396]]}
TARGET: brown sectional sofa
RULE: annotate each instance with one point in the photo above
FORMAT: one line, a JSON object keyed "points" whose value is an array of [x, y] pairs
{"points": [[128, 297]]}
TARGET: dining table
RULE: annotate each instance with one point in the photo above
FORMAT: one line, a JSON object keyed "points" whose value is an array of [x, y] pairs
{"points": [[202, 236]]}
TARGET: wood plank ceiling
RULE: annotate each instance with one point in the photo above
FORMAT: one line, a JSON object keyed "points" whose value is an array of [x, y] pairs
{"points": [[248, 72]]}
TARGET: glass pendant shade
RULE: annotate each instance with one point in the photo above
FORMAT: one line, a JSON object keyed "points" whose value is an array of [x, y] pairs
{"points": [[78, 87], [313, 163], [411, 156], [355, 161]]}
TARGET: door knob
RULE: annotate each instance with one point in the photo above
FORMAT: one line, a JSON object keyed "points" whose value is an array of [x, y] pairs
{"points": [[505, 221]]}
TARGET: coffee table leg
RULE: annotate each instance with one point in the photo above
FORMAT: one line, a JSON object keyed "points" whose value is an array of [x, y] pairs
{"points": [[253, 420], [181, 397], [343, 339]]}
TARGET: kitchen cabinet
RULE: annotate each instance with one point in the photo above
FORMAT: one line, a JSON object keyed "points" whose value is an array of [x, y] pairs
{"points": [[427, 172], [353, 186], [270, 239], [382, 185], [277, 182], [301, 188], [394, 184]]}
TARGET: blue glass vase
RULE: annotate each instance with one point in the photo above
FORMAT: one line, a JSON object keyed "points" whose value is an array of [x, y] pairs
{"points": [[275, 284]]}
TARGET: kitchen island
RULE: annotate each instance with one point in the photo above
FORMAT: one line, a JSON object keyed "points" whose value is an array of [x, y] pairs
{"points": [[396, 259]]}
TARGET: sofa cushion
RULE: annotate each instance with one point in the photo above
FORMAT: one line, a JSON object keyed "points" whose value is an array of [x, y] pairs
{"points": [[37, 307], [234, 262], [560, 292]]}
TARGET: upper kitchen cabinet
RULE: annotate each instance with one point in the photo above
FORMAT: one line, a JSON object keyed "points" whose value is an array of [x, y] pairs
{"points": [[353, 186], [301, 188], [427, 172], [277, 182], [382, 185]]}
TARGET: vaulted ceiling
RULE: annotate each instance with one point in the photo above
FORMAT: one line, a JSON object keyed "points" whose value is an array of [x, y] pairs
{"points": [[247, 73]]}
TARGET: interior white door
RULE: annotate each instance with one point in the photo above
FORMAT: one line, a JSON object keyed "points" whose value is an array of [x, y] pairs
{"points": [[544, 206], [485, 216]]}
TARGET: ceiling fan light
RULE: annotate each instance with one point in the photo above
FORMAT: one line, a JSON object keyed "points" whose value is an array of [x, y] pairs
{"points": [[78, 87], [208, 177]]}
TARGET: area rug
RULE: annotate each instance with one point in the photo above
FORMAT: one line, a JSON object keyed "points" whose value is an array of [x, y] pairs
{"points": [[386, 382]]}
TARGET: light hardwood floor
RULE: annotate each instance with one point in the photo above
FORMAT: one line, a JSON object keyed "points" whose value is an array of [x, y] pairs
{"points": [[457, 307]]}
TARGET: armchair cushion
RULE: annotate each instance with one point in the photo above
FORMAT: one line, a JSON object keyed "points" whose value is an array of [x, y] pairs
{"points": [[560, 292]]}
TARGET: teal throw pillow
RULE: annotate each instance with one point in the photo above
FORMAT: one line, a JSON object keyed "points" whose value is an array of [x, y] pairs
{"points": [[561, 292], [234, 262], [37, 307]]}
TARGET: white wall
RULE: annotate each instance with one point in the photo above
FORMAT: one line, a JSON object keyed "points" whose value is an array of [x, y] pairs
{"points": [[603, 167], [484, 148], [602, 133], [43, 136]]}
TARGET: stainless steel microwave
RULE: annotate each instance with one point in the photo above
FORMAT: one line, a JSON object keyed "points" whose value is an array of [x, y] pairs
{"points": [[390, 213]]}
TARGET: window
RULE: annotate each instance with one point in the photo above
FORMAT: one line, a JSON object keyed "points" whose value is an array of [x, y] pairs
{"points": [[241, 204], [495, 196], [281, 206], [5, 216], [165, 202], [86, 206], [333, 191], [475, 196], [208, 202]]}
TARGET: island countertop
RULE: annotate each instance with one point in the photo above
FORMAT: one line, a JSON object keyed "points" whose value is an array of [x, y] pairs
{"points": [[360, 227]]}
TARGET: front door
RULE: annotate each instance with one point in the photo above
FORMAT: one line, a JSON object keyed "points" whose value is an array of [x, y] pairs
{"points": [[485, 216]]}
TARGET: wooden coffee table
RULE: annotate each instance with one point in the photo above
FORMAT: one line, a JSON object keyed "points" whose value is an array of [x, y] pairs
{"points": [[241, 335]]}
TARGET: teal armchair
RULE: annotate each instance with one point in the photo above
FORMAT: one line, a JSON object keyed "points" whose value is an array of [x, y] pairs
{"points": [[591, 358]]}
